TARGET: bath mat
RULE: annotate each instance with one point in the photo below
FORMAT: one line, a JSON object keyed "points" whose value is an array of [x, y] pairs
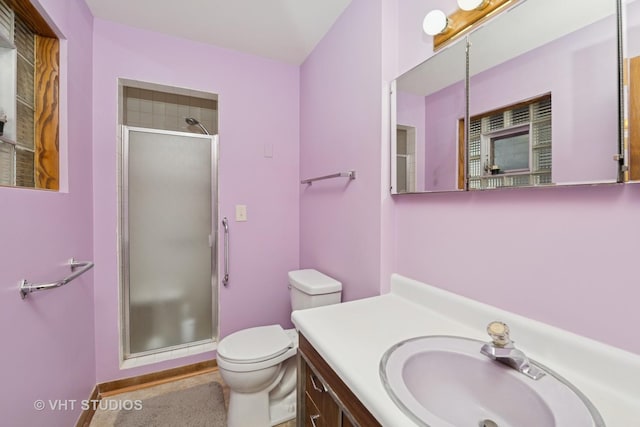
{"points": [[198, 406]]}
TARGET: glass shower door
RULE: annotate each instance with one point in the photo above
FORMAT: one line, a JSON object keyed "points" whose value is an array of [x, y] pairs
{"points": [[168, 248]]}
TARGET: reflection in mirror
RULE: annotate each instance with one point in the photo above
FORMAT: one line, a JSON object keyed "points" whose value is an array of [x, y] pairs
{"points": [[429, 101], [544, 96], [542, 71], [511, 147], [632, 87]]}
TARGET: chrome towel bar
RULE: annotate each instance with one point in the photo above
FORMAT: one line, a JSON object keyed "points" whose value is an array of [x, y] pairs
{"points": [[77, 268], [350, 174], [225, 224]]}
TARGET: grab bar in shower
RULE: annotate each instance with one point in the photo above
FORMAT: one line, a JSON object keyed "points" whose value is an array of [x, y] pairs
{"points": [[77, 268], [350, 174], [225, 224]]}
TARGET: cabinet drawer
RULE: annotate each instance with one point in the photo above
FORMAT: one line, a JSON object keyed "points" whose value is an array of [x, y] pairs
{"points": [[313, 418], [314, 386], [319, 394]]}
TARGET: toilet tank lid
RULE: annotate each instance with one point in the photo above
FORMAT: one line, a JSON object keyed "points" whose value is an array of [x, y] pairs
{"points": [[313, 282]]}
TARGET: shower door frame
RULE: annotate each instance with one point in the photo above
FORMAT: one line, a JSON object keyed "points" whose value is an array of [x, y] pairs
{"points": [[123, 242]]}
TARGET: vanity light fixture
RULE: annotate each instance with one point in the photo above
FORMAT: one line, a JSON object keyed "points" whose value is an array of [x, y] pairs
{"points": [[435, 22], [473, 4], [444, 28]]}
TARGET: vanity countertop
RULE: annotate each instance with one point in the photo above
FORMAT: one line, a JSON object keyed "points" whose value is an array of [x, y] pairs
{"points": [[353, 336]]}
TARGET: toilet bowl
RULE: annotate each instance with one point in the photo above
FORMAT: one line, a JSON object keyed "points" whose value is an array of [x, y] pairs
{"points": [[257, 364]]}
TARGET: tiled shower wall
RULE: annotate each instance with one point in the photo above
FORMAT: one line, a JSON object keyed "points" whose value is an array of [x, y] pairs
{"points": [[167, 111]]}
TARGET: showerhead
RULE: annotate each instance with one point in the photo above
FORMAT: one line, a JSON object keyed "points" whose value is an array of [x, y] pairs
{"points": [[192, 121]]}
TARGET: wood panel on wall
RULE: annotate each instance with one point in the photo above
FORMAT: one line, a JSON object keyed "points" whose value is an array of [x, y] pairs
{"points": [[47, 113], [28, 13]]}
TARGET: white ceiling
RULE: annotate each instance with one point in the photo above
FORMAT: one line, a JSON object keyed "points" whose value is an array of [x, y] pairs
{"points": [[285, 30]]}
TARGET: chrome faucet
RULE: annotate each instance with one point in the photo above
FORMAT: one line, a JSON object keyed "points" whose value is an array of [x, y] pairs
{"points": [[501, 349]]}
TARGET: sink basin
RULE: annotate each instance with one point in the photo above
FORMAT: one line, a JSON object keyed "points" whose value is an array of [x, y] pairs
{"points": [[444, 381]]}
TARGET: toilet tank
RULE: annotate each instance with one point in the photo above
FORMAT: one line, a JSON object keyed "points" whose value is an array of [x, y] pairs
{"points": [[310, 288]]}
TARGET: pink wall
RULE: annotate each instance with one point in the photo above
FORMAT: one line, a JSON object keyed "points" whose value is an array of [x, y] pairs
{"points": [[48, 338], [259, 101], [340, 129], [565, 256]]}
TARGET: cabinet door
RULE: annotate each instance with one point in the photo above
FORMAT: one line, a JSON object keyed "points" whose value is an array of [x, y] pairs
{"points": [[330, 411]]}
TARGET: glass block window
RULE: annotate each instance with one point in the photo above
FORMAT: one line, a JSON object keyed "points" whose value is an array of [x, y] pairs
{"points": [[511, 147], [18, 155], [29, 52], [6, 21]]}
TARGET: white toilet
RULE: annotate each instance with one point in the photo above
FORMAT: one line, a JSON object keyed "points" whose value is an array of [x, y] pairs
{"points": [[258, 364]]}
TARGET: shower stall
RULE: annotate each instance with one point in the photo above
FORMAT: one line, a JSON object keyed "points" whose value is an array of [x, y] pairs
{"points": [[168, 240]]}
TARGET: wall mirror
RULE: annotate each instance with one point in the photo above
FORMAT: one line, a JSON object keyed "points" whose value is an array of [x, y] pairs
{"points": [[427, 103], [543, 103]]}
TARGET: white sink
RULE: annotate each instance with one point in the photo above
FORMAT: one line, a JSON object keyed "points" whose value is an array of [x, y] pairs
{"points": [[444, 381]]}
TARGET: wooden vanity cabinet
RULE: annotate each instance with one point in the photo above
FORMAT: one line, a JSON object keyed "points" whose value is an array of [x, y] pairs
{"points": [[324, 400]]}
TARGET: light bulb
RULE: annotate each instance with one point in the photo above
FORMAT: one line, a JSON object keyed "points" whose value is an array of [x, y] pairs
{"points": [[472, 4], [435, 22]]}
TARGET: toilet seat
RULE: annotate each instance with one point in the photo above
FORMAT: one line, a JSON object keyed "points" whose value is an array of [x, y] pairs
{"points": [[254, 348], [255, 344]]}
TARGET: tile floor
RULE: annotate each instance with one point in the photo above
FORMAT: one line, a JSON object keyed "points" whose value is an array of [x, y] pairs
{"points": [[106, 418]]}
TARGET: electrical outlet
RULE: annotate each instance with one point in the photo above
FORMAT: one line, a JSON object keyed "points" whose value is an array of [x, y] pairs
{"points": [[241, 212]]}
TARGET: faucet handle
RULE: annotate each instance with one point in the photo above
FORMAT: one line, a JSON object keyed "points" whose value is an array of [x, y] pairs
{"points": [[499, 333]]}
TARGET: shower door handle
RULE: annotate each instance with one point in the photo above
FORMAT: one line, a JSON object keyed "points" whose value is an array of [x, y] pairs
{"points": [[225, 224]]}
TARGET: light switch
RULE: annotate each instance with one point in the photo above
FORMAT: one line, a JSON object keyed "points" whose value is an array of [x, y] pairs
{"points": [[241, 212], [268, 150]]}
